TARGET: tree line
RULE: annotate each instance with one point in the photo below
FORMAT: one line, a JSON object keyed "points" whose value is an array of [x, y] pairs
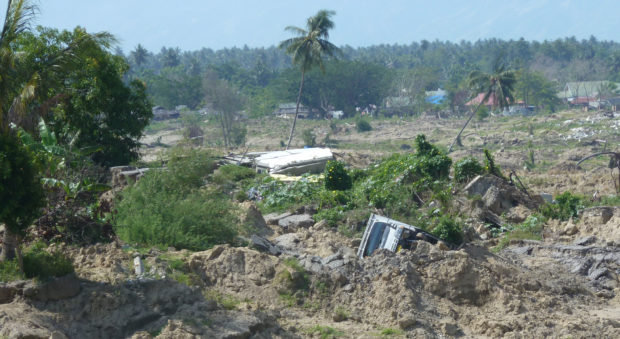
{"points": [[367, 75]]}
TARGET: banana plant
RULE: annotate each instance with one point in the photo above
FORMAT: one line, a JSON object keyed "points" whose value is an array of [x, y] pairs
{"points": [[54, 157]]}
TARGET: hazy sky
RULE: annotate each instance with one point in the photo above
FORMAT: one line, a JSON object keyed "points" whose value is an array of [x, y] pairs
{"points": [[193, 24]]}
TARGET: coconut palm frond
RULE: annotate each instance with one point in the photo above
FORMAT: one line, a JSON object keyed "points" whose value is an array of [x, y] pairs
{"points": [[296, 30], [19, 15]]}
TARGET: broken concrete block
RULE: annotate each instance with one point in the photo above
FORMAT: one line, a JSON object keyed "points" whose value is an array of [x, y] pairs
{"points": [[273, 218], [296, 221], [138, 266], [585, 241], [548, 198], [406, 320]]}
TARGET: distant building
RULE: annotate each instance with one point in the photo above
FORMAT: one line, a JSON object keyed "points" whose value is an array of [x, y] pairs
{"points": [[583, 89], [160, 113], [490, 102], [335, 115], [400, 101], [287, 110], [436, 97]]}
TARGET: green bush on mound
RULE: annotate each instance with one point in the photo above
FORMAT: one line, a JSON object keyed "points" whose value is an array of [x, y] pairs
{"points": [[38, 263], [363, 125], [466, 169], [172, 207], [449, 230], [336, 176], [567, 206]]}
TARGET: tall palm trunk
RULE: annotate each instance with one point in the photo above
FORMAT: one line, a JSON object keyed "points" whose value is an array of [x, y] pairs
{"points": [[301, 86], [466, 123]]}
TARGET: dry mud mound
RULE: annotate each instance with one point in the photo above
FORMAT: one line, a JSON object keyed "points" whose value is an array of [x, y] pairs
{"points": [[425, 291], [477, 292], [141, 308]]}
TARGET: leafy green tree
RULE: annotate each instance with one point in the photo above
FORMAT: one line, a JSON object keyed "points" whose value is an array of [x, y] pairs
{"points": [[21, 193], [56, 75], [535, 89], [346, 85], [499, 84], [309, 49], [174, 86], [225, 101], [91, 104]]}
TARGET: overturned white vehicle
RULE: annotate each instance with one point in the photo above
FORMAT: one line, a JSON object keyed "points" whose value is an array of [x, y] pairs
{"points": [[385, 233]]}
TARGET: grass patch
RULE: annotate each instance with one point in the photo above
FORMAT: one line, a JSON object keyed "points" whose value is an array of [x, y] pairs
{"points": [[228, 302], [530, 229], [9, 271], [38, 264], [234, 173], [325, 332], [342, 313], [388, 332]]}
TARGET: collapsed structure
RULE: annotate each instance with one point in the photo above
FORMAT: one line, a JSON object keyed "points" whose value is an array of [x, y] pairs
{"points": [[290, 162]]}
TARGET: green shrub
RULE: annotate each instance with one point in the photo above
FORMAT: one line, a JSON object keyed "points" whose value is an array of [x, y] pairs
{"points": [[188, 169], [396, 183], [566, 206], [169, 208], [482, 113], [233, 173], [431, 161], [363, 125], [336, 176], [449, 230], [466, 169], [279, 196], [309, 137], [38, 264]]}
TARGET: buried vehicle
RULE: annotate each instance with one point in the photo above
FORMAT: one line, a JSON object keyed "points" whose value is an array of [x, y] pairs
{"points": [[385, 233]]}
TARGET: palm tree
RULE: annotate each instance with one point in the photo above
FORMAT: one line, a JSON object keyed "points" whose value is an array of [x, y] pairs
{"points": [[499, 85], [17, 19], [308, 49], [139, 55]]}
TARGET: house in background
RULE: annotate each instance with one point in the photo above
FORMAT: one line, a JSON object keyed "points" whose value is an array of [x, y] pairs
{"points": [[436, 97], [584, 89], [490, 102], [287, 110], [160, 113]]}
